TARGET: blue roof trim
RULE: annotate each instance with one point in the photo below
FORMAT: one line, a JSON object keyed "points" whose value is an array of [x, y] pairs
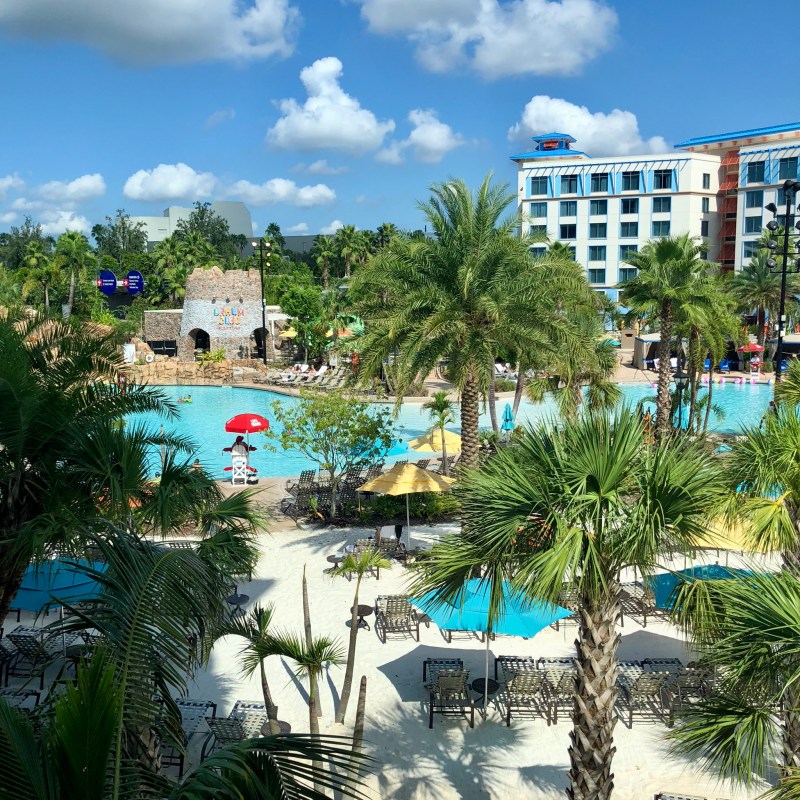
{"points": [[562, 151], [724, 137], [554, 135]]}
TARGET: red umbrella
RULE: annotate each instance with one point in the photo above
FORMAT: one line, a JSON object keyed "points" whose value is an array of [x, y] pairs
{"points": [[247, 423], [751, 348]]}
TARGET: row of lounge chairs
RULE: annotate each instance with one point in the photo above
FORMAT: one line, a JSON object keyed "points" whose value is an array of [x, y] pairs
{"points": [[324, 378]]}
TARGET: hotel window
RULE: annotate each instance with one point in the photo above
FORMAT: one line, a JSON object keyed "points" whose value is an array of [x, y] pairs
{"points": [[538, 209], [627, 273], [662, 178], [569, 208], [569, 184], [787, 168], [705, 205], [631, 181], [755, 172], [596, 275], [626, 249], [660, 228], [750, 249], [630, 205], [597, 252], [598, 207], [704, 228], [752, 224], [598, 230], [662, 205], [538, 251], [706, 180], [600, 182], [539, 185], [628, 230], [754, 199], [572, 251], [538, 230], [568, 231]]}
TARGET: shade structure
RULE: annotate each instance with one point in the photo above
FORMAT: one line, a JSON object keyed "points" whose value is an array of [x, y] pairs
{"points": [[407, 479], [288, 333], [55, 582], [508, 419], [663, 586], [247, 423], [724, 535], [751, 347], [431, 442], [469, 611]]}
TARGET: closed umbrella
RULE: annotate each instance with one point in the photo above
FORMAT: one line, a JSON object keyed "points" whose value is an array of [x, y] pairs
{"points": [[508, 419], [407, 479], [518, 615]]}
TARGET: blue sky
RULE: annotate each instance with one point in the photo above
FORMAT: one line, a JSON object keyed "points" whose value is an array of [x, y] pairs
{"points": [[318, 113]]}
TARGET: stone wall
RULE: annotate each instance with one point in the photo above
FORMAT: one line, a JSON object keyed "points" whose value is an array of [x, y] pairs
{"points": [[162, 325], [172, 372]]}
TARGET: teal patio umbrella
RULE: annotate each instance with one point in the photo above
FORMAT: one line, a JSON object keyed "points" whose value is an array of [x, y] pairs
{"points": [[518, 616], [665, 586], [508, 419]]}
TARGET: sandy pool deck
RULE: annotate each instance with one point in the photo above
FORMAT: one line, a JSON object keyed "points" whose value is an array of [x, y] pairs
{"points": [[450, 761]]}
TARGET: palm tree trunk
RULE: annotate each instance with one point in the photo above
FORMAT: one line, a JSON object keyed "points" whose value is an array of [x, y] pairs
{"points": [[272, 709], [470, 397], [325, 273], [46, 300], [663, 400], [312, 679], [708, 399], [791, 730], [358, 730], [445, 466], [694, 375], [518, 390], [592, 738], [760, 326], [351, 658], [491, 401], [71, 295], [347, 266]]}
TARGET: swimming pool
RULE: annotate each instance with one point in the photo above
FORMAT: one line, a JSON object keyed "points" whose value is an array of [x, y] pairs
{"points": [[204, 420]]}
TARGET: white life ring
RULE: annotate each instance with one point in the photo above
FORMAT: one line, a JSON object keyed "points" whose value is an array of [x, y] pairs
{"points": [[149, 358]]}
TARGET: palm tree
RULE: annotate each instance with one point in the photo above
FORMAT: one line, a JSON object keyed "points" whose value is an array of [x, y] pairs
{"points": [[787, 392], [40, 270], [757, 287], [359, 565], [466, 294], [384, 234], [561, 250], [570, 507], [77, 251], [347, 243], [323, 251], [668, 271], [442, 413], [254, 629], [197, 251], [311, 660]]}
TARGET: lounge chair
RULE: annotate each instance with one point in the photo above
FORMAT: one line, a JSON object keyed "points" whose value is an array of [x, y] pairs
{"points": [[8, 656], [511, 665], [707, 365], [35, 653], [223, 732], [394, 614], [305, 481], [432, 665], [671, 796], [688, 687], [724, 365], [423, 463], [646, 693], [562, 692], [450, 693], [24, 700], [295, 506], [528, 691]]}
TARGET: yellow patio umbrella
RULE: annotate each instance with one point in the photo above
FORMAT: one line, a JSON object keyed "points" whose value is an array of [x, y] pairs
{"points": [[431, 442], [288, 333], [725, 535], [407, 479]]}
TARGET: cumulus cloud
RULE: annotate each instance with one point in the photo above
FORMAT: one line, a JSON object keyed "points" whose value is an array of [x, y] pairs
{"points": [[169, 182], [322, 167], [10, 183], [281, 190], [613, 134], [329, 117], [330, 229], [84, 188], [298, 230], [144, 32], [8, 217], [55, 221], [495, 37], [218, 117], [23, 204], [430, 140]]}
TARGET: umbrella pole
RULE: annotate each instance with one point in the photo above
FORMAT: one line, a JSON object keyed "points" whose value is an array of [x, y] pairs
{"points": [[408, 522], [486, 674]]}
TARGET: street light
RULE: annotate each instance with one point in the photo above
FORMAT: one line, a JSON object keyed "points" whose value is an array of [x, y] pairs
{"points": [[260, 245], [681, 382], [790, 190]]}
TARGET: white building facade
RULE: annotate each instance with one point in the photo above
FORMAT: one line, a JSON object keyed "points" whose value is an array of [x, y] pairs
{"points": [[605, 208], [234, 212]]}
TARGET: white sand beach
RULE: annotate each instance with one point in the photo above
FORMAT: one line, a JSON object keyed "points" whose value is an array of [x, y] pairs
{"points": [[450, 761]]}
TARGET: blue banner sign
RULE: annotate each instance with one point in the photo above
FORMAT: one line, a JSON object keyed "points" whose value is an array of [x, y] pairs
{"points": [[134, 281], [106, 281]]}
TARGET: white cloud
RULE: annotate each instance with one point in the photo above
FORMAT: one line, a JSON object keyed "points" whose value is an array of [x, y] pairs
{"points": [[8, 217], [10, 183], [169, 182], [298, 230], [429, 141], [84, 188], [322, 167], [23, 204], [55, 221], [147, 32], [281, 190], [613, 134], [497, 38], [328, 230], [218, 117], [329, 117]]}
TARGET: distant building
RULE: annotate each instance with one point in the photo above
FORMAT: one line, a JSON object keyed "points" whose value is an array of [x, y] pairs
{"points": [[712, 187], [234, 213]]}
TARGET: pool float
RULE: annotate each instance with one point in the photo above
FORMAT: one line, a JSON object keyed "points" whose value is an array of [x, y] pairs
{"points": [[149, 358], [184, 400]]}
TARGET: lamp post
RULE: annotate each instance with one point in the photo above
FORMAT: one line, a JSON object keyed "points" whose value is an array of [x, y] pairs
{"points": [[681, 382], [259, 245], [790, 190]]}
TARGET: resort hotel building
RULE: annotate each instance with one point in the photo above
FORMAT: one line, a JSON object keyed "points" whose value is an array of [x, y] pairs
{"points": [[603, 208]]}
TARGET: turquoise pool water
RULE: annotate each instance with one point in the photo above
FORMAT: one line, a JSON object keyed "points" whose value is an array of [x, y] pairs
{"points": [[204, 420]]}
